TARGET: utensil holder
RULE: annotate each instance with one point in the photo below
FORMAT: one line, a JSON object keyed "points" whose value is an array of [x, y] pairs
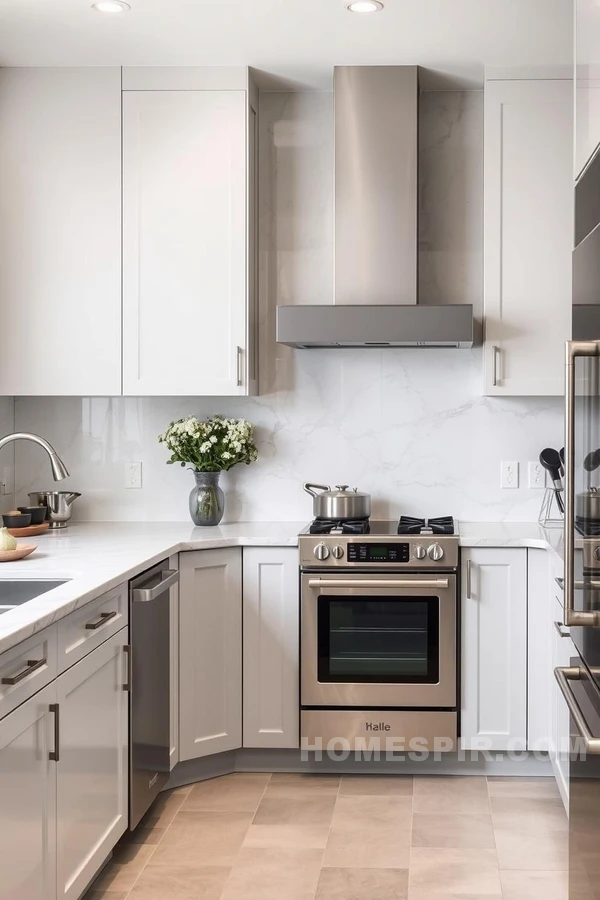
{"points": [[550, 515]]}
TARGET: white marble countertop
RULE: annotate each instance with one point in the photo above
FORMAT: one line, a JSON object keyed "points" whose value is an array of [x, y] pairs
{"points": [[93, 558]]}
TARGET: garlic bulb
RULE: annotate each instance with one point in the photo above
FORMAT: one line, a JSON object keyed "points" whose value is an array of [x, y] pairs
{"points": [[7, 541]]}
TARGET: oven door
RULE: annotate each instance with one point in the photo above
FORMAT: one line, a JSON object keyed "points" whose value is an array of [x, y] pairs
{"points": [[378, 640]]}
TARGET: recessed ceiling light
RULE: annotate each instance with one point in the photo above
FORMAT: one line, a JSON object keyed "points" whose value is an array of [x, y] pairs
{"points": [[111, 6], [365, 6]]}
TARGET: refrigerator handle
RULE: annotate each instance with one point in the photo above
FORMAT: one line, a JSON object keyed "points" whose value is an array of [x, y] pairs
{"points": [[574, 349]]}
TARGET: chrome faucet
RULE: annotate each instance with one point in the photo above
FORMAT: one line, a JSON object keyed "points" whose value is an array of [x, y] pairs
{"points": [[59, 470]]}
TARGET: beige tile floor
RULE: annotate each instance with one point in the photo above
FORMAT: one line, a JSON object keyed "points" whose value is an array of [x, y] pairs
{"points": [[318, 837]]}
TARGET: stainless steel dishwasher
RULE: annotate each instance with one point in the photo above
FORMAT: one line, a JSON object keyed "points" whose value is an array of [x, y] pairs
{"points": [[149, 707]]}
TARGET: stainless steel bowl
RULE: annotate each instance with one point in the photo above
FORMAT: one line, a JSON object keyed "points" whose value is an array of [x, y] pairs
{"points": [[59, 505]]}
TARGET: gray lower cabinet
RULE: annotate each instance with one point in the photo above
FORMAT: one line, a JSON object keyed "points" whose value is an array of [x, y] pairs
{"points": [[210, 652], [28, 801], [63, 778], [271, 647], [91, 787]]}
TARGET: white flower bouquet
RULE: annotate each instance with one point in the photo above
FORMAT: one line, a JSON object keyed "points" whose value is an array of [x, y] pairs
{"points": [[210, 445]]}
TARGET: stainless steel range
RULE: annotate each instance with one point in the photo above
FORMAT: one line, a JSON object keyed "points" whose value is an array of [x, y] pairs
{"points": [[379, 633]]}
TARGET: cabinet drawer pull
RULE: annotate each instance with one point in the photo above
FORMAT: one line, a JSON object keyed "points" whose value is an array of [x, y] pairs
{"points": [[561, 631], [104, 617], [239, 366], [32, 666], [495, 355], [55, 754], [468, 579], [127, 652]]}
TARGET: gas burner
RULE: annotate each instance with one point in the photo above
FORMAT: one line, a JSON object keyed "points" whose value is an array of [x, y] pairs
{"points": [[339, 526], [410, 525]]}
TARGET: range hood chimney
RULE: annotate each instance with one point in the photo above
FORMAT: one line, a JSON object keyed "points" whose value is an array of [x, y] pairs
{"points": [[376, 225]]}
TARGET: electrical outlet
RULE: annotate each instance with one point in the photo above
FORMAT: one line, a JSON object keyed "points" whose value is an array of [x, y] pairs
{"points": [[133, 475], [537, 475], [7, 485], [509, 474]]}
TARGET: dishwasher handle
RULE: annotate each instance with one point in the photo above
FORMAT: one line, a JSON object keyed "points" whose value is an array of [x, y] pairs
{"points": [[146, 595]]}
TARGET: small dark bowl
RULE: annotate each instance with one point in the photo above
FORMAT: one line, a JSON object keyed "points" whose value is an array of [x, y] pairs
{"points": [[21, 521], [37, 513]]}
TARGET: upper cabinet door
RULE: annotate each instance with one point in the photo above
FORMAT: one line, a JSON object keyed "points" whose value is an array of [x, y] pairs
{"points": [[60, 231], [184, 243], [587, 82], [528, 221]]}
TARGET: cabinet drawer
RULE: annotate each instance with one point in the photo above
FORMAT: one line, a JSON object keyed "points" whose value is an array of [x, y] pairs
{"points": [[27, 668], [90, 626]]}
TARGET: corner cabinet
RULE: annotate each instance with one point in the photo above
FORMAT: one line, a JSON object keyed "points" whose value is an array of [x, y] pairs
{"points": [[528, 235], [188, 240], [494, 649], [210, 652], [271, 647], [60, 231]]}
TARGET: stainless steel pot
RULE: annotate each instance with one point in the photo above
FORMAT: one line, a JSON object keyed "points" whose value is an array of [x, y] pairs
{"points": [[59, 505], [340, 503], [588, 505]]}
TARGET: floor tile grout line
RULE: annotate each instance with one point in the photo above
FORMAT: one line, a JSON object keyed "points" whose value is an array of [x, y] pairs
{"points": [[157, 844]]}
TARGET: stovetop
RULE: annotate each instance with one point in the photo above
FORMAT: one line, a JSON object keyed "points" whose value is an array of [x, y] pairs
{"points": [[374, 544], [406, 525]]}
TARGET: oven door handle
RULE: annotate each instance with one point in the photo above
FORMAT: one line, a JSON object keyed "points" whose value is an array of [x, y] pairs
{"points": [[436, 583], [573, 673]]}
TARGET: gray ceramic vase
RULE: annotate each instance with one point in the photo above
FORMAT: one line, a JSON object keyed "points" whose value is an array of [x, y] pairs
{"points": [[207, 500]]}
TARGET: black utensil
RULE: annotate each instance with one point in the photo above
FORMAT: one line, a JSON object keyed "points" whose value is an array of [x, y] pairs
{"points": [[592, 461], [561, 454], [550, 460]]}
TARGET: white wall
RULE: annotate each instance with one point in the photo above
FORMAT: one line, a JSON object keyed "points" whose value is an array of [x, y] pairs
{"points": [[410, 426], [7, 454]]}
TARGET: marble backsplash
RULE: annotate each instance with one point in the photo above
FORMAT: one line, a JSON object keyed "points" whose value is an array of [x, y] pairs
{"points": [[410, 426]]}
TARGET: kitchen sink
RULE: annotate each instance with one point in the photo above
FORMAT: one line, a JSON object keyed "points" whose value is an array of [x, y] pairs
{"points": [[15, 593]]}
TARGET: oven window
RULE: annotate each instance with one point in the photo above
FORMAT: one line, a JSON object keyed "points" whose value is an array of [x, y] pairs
{"points": [[377, 639]]}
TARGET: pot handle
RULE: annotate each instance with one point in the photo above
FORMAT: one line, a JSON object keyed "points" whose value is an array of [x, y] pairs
{"points": [[308, 487]]}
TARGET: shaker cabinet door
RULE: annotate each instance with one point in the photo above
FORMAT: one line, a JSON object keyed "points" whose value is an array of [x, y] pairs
{"points": [[92, 779], [494, 649], [271, 647], [28, 801], [184, 243], [60, 231], [528, 235], [210, 652]]}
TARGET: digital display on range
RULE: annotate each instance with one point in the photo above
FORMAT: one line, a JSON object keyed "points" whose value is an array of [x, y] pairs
{"points": [[378, 553]]}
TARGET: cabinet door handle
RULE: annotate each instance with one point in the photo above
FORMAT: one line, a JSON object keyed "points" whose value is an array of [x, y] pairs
{"points": [[495, 355], [239, 366], [32, 666], [561, 631], [468, 579], [127, 652], [55, 754], [104, 618]]}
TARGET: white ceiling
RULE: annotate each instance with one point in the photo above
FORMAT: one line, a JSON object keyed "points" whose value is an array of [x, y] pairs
{"points": [[297, 40]]}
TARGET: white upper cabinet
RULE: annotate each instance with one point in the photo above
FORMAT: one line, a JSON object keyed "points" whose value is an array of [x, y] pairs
{"points": [[188, 285], [60, 231], [587, 82], [528, 223]]}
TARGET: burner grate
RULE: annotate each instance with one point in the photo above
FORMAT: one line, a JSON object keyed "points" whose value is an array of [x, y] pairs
{"points": [[343, 526], [412, 525]]}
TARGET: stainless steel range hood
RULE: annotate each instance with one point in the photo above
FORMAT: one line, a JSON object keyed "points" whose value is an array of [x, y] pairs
{"points": [[376, 230]]}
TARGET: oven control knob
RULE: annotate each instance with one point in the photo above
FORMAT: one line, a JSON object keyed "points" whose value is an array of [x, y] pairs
{"points": [[420, 552], [597, 553], [435, 552], [321, 551], [337, 552]]}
